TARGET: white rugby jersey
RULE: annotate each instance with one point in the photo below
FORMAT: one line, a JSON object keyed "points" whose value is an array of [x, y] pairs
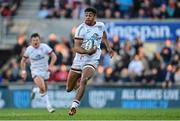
{"points": [[87, 33], [38, 57]]}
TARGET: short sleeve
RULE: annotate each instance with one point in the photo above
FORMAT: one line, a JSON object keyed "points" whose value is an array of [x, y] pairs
{"points": [[48, 49], [26, 53], [103, 28], [79, 34]]}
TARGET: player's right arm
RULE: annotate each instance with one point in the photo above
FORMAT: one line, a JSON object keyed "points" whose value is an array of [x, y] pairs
{"points": [[23, 66]]}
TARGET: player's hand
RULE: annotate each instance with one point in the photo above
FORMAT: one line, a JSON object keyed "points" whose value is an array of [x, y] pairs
{"points": [[51, 68], [111, 53], [92, 50], [23, 74]]}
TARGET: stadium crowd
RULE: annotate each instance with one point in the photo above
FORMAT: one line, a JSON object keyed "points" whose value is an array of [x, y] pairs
{"points": [[130, 63], [154, 9], [8, 9]]}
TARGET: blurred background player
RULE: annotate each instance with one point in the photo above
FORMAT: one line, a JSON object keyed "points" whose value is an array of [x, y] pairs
{"points": [[38, 54], [86, 61]]}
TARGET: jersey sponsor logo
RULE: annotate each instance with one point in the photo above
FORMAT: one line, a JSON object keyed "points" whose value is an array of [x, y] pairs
{"points": [[95, 37], [99, 28], [88, 31], [37, 57]]}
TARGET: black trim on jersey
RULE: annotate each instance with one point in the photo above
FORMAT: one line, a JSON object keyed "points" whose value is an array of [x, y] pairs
{"points": [[50, 52], [79, 38], [25, 57], [76, 69], [79, 30], [90, 65], [34, 77]]}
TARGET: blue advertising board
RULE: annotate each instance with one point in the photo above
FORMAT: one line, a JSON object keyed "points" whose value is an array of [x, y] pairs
{"points": [[146, 30], [21, 98], [96, 97], [132, 98]]}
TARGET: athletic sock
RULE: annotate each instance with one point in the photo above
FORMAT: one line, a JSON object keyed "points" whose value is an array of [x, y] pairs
{"points": [[75, 104], [45, 97], [36, 89]]}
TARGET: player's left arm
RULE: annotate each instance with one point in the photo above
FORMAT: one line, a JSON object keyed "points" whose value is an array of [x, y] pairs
{"points": [[105, 41], [53, 60]]}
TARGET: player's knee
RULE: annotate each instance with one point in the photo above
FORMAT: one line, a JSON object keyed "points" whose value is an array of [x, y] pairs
{"points": [[84, 82]]}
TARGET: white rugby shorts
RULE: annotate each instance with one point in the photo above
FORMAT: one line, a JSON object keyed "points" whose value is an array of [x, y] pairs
{"points": [[78, 66], [44, 74]]}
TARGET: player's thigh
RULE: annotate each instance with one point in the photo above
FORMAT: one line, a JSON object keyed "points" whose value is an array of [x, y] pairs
{"points": [[39, 81], [87, 73], [72, 80]]}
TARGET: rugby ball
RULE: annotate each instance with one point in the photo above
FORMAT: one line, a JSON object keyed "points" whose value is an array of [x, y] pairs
{"points": [[89, 44]]}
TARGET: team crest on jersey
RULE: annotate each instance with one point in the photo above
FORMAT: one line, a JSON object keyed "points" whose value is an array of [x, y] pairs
{"points": [[88, 30], [99, 28]]}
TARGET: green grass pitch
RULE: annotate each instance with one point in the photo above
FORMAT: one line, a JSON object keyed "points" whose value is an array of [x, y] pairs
{"points": [[91, 114]]}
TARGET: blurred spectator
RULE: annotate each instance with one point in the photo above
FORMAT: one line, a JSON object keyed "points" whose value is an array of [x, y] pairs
{"points": [[11, 73], [175, 60], [177, 10], [136, 68], [171, 8], [155, 68], [142, 14], [177, 76], [116, 43], [144, 59], [166, 51], [116, 62], [124, 75], [169, 76], [138, 44], [52, 42], [163, 12], [6, 10], [20, 45], [125, 7], [64, 51], [6, 76], [44, 12], [110, 75], [78, 9], [156, 62], [15, 74], [68, 45], [59, 56], [108, 13], [177, 46], [105, 58], [60, 75], [127, 52], [99, 5], [156, 13], [99, 76]]}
